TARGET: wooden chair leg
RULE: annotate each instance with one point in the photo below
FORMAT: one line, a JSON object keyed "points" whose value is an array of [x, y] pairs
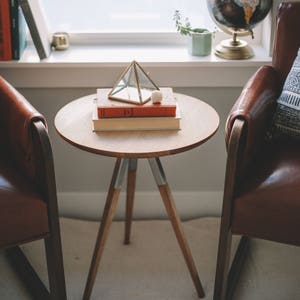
{"points": [[237, 266], [131, 182], [108, 214], [55, 267], [225, 238], [169, 203], [37, 289], [226, 279], [27, 274], [222, 262]]}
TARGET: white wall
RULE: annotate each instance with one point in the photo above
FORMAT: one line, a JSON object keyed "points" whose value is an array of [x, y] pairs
{"points": [[196, 177]]}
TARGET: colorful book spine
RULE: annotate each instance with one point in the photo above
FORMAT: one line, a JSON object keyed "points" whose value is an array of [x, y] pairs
{"points": [[18, 29], [156, 110], [5, 31]]}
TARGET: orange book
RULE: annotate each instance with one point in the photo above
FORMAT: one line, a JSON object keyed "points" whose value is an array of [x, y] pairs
{"points": [[133, 124], [5, 36], [115, 109]]}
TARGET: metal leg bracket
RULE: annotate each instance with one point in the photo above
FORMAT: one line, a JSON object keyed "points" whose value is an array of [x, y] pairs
{"points": [[158, 171]]}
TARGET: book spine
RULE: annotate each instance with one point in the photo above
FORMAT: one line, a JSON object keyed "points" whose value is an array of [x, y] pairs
{"points": [[14, 26], [22, 31], [5, 31], [33, 28], [146, 111]]}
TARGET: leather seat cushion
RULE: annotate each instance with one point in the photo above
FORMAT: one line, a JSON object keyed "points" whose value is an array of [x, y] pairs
{"points": [[268, 203], [23, 215]]}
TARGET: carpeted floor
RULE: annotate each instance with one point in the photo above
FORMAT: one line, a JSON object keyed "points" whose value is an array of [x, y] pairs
{"points": [[152, 267]]}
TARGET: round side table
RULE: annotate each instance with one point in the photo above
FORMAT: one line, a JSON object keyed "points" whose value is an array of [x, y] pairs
{"points": [[199, 123]]}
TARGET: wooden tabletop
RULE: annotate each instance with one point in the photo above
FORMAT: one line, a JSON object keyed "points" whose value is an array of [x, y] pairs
{"points": [[199, 122]]}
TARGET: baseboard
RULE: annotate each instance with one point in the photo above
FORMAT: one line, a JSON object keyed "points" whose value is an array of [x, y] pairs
{"points": [[148, 205]]}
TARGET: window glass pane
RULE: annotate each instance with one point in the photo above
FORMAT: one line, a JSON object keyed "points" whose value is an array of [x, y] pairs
{"points": [[123, 15]]}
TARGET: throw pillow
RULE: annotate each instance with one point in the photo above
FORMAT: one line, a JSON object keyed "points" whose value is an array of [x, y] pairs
{"points": [[286, 120]]}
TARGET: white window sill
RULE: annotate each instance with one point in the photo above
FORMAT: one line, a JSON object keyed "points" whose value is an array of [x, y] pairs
{"points": [[100, 66]]}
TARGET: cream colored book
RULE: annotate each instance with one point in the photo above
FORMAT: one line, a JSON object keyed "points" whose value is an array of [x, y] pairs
{"points": [[135, 123]]}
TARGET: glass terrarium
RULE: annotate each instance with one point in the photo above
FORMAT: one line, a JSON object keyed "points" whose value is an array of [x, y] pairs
{"points": [[134, 86]]}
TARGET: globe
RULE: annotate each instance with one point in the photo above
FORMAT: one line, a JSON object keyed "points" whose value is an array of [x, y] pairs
{"points": [[237, 17]]}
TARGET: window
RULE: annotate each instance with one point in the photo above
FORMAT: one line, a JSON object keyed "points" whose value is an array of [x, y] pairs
{"points": [[123, 16]]}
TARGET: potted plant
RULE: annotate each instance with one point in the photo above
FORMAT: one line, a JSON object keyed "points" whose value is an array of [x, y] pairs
{"points": [[199, 39]]}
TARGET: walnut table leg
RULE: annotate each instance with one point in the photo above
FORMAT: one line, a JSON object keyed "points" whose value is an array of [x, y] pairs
{"points": [[108, 214], [131, 180], [169, 203]]}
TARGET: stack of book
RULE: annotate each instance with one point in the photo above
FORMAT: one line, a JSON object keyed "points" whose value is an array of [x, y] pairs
{"points": [[12, 30], [110, 115], [14, 15]]}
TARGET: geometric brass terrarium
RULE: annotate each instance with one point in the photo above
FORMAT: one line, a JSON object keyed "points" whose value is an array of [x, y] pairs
{"points": [[134, 86]]}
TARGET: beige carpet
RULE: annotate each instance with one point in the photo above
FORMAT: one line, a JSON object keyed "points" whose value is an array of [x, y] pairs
{"points": [[152, 267]]}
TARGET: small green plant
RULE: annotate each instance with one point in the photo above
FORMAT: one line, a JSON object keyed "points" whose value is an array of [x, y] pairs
{"points": [[184, 27]]}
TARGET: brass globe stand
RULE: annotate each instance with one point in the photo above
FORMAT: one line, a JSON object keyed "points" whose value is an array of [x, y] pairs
{"points": [[234, 49]]}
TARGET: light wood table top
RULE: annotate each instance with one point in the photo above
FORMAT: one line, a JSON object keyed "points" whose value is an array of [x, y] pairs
{"points": [[199, 122]]}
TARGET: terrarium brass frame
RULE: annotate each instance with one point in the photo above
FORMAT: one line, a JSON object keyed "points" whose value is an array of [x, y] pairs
{"points": [[133, 64]]}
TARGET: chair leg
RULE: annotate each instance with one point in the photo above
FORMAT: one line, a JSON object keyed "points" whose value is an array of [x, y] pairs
{"points": [[226, 279], [237, 265], [222, 262], [25, 271], [55, 267], [225, 237], [131, 180]]}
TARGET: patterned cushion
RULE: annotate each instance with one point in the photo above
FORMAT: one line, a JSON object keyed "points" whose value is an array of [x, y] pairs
{"points": [[287, 116]]}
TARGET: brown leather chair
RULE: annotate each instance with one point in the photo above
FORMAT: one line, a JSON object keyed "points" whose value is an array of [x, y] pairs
{"points": [[262, 181], [28, 204]]}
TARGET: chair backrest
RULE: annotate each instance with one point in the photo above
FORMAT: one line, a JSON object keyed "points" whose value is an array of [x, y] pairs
{"points": [[16, 136], [287, 38]]}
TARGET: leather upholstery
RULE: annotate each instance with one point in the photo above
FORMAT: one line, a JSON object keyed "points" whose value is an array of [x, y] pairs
{"points": [[266, 202], [255, 106], [23, 213], [16, 117]]}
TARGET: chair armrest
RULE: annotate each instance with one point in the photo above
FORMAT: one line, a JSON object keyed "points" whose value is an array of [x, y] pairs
{"points": [[16, 118], [232, 167], [255, 106], [44, 163]]}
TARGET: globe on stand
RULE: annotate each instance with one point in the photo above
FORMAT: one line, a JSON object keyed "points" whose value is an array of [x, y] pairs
{"points": [[237, 17]]}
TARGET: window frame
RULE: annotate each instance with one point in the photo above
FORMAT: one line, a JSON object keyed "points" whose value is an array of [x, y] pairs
{"points": [[170, 38]]}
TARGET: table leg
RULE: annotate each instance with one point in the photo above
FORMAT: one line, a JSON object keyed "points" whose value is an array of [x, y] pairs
{"points": [[169, 203], [107, 217], [131, 180]]}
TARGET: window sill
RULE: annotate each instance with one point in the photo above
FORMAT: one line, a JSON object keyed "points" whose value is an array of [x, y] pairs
{"points": [[94, 66]]}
